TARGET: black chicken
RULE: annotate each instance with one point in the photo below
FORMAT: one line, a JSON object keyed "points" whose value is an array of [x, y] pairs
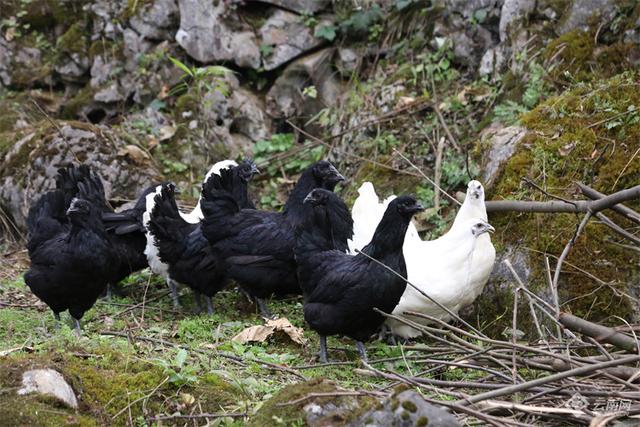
{"points": [[341, 290], [257, 246], [183, 247], [125, 228], [71, 254]]}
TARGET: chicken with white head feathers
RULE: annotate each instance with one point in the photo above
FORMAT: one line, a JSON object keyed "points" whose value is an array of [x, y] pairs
{"points": [[452, 269], [194, 217]]}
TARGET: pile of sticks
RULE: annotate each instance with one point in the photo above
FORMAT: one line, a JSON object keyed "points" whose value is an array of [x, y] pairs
{"points": [[589, 379], [578, 372]]}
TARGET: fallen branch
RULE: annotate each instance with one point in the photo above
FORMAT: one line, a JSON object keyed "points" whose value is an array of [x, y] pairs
{"points": [[623, 210], [599, 332], [195, 416], [557, 206], [328, 394], [551, 378]]}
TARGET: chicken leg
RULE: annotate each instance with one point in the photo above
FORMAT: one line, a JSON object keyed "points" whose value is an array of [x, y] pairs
{"points": [[322, 356], [362, 351]]}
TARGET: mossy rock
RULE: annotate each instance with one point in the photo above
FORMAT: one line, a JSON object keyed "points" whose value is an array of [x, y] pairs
{"points": [[577, 54], [589, 134], [279, 408], [105, 382]]}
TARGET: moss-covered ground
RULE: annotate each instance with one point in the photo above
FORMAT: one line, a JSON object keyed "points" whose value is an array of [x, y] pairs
{"points": [[165, 361]]}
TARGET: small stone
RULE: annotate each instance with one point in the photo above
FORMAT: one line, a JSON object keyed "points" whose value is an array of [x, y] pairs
{"points": [[49, 382]]}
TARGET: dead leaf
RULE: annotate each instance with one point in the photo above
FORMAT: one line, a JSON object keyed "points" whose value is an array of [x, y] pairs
{"points": [[166, 132], [187, 399], [164, 92], [135, 153], [404, 101], [152, 142], [260, 333], [566, 149]]}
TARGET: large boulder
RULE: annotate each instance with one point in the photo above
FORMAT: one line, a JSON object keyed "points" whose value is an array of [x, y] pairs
{"points": [[214, 33], [286, 97], [288, 37], [28, 168], [406, 409]]}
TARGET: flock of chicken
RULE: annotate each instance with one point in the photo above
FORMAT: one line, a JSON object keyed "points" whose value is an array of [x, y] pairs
{"points": [[344, 263]]}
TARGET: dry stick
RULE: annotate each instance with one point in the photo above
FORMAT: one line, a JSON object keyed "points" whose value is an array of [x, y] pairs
{"points": [[438, 174], [460, 408], [568, 246], [450, 137], [540, 381], [623, 210], [195, 416], [577, 206], [447, 310], [55, 125], [529, 300], [615, 227], [427, 178], [554, 293], [599, 332], [128, 407], [529, 295], [514, 326], [329, 394], [326, 144]]}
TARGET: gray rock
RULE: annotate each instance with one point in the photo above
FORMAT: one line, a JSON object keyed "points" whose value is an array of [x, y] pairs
{"points": [[29, 168], [289, 37], [500, 144], [49, 382], [157, 20], [493, 61], [301, 6], [5, 61], [347, 60], [580, 12], [285, 98], [407, 409], [209, 34], [514, 12]]}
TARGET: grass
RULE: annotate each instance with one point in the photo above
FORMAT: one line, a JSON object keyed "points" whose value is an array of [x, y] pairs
{"points": [[121, 381]]}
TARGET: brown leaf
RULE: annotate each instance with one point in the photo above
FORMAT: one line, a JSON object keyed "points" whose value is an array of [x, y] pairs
{"points": [[135, 153], [166, 132], [260, 333], [566, 149]]}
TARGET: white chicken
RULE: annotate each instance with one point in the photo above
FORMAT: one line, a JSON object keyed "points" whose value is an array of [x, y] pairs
{"points": [[452, 269]]}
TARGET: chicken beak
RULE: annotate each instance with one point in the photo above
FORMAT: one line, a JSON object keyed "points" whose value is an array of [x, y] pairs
{"points": [[73, 208], [309, 198], [418, 207], [254, 169], [337, 176], [490, 228]]}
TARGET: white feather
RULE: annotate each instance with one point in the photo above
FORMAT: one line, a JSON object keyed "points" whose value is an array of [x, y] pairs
{"points": [[367, 211], [193, 217], [452, 269]]}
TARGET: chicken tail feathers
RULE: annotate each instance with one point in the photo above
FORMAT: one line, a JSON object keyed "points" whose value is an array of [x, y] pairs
{"points": [[46, 218]]}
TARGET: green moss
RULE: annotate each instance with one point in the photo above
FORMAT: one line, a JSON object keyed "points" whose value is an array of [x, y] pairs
{"points": [[577, 54], [405, 415], [422, 422], [409, 406], [73, 106], [73, 40], [572, 139]]}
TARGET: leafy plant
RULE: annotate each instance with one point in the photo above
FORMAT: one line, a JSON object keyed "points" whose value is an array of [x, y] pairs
{"points": [[178, 372], [200, 79], [280, 143], [327, 32]]}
